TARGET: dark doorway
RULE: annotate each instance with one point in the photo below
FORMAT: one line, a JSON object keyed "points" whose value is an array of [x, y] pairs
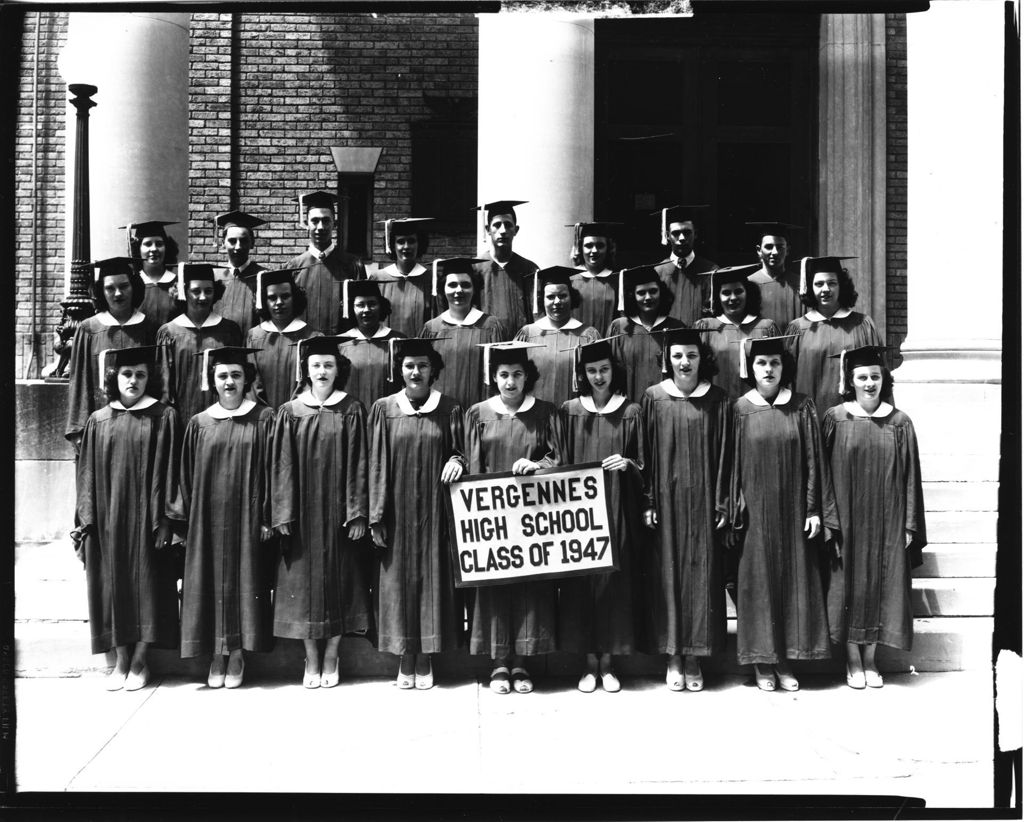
{"points": [[718, 109]]}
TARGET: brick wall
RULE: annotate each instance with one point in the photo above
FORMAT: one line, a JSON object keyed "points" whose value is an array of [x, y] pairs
{"points": [[896, 172], [270, 94], [39, 250]]}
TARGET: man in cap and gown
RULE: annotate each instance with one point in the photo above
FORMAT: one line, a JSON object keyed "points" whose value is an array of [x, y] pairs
{"points": [[237, 233], [684, 272], [779, 283], [507, 276]]}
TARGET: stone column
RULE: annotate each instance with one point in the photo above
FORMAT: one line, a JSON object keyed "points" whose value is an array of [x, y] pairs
{"points": [[536, 125], [139, 130], [851, 150]]}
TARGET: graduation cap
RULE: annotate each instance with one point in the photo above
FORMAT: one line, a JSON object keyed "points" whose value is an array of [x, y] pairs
{"points": [[751, 347], [505, 353], [850, 358], [350, 289], [489, 210], [401, 226], [400, 347], [146, 228], [809, 266], [314, 199], [594, 229], [226, 355], [678, 214], [193, 271], [114, 265], [235, 218], [553, 275], [678, 336], [591, 352], [451, 265], [632, 277], [128, 356], [275, 276], [769, 228], [323, 346], [732, 274]]}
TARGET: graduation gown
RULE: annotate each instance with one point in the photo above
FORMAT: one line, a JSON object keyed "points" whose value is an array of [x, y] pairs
{"points": [[371, 365], [239, 301], [780, 299], [96, 334], [126, 483], [639, 351], [418, 610], [463, 373], [687, 476], [690, 286], [319, 487], [185, 339], [508, 292], [518, 617], [778, 479], [160, 301], [727, 347], [322, 278], [225, 499], [275, 361], [412, 304], [599, 295], [876, 474], [597, 613], [555, 361], [817, 371]]}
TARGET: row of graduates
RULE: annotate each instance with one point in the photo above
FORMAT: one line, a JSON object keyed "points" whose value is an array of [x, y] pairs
{"points": [[714, 479]]}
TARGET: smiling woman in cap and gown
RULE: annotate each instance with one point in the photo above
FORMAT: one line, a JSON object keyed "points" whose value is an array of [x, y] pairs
{"points": [[127, 483], [597, 614], [148, 241], [781, 507], [593, 250], [636, 340], [406, 283], [687, 425], [368, 342], [226, 504], [280, 303], [684, 272], [320, 511], [507, 276], [876, 473], [117, 293], [416, 447], [513, 431], [237, 233], [190, 333], [324, 265], [829, 325], [461, 330], [557, 333], [779, 284]]}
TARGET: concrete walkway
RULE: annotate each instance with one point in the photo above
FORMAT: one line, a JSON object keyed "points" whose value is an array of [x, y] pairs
{"points": [[923, 735]]}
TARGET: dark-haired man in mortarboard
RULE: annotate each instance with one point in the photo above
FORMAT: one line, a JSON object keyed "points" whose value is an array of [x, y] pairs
{"points": [[507, 277], [236, 233], [778, 283], [684, 272]]}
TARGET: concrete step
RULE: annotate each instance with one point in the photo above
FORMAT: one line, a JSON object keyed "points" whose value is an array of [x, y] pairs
{"points": [[961, 496], [962, 559], [953, 597], [962, 466], [961, 526]]}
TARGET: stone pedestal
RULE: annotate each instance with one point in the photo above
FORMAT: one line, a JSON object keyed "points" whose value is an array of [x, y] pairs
{"points": [[139, 129], [536, 125]]}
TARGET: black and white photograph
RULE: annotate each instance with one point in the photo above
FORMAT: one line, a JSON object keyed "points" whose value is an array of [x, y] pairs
{"points": [[515, 410]]}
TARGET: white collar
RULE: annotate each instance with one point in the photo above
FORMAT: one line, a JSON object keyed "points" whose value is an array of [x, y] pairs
{"points": [[394, 271], [637, 321], [316, 252], [545, 323], [356, 334], [854, 410], [144, 402], [431, 403], [670, 388], [614, 403], [307, 398], [168, 276], [241, 268], [107, 319], [294, 325], [688, 260], [781, 398], [473, 315], [748, 319], [219, 412], [816, 316], [183, 321], [602, 274], [498, 407]]}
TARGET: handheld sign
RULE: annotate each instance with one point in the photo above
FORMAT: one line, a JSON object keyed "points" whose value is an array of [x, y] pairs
{"points": [[553, 523]]}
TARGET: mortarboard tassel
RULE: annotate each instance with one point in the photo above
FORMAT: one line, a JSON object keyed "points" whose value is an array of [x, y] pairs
{"points": [[387, 239], [577, 242], [96, 273], [487, 364], [344, 299], [181, 281], [433, 281], [842, 372], [259, 290], [204, 378], [391, 358], [536, 294], [743, 360], [575, 366], [802, 287], [298, 360], [621, 306], [664, 226]]}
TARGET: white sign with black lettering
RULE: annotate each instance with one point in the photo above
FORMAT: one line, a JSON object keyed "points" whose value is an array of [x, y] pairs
{"points": [[554, 523]]}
